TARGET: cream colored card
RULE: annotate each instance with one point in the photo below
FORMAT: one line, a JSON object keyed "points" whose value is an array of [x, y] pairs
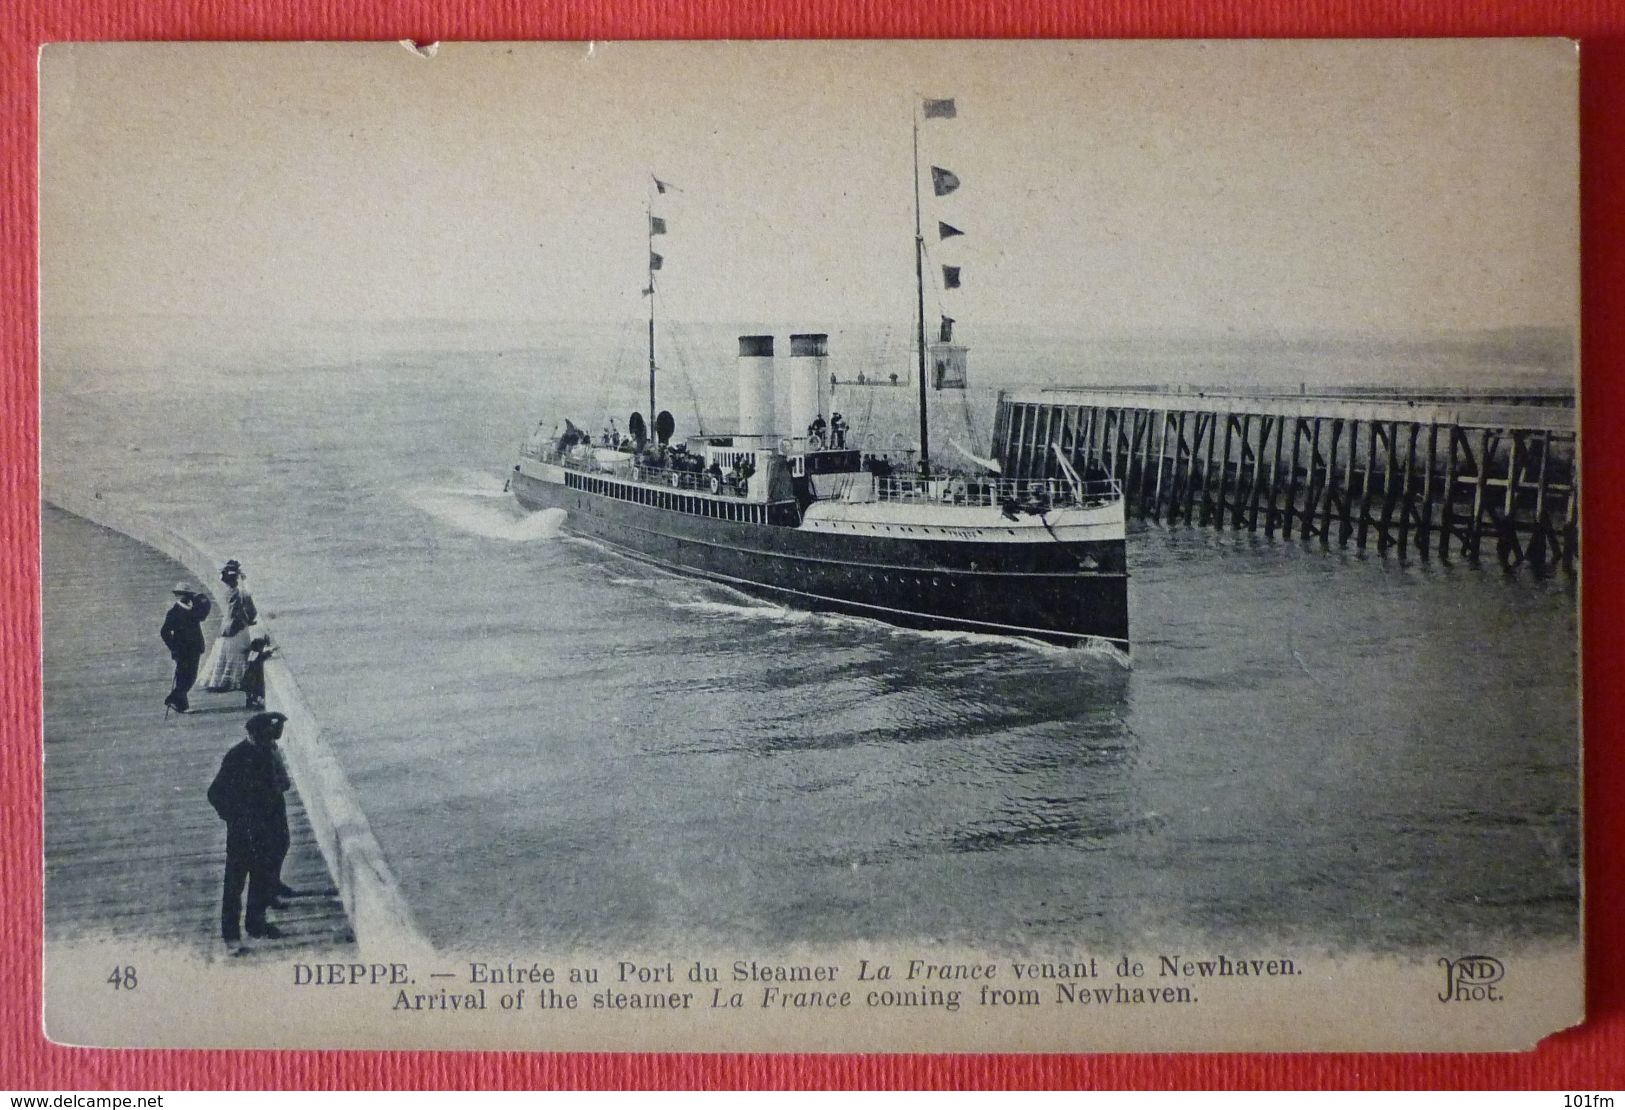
{"points": [[1030, 546]]}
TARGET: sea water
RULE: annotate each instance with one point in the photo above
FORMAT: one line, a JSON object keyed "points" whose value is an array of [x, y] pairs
{"points": [[557, 746]]}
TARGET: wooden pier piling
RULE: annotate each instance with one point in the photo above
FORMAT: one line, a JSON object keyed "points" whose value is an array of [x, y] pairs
{"points": [[1432, 474]]}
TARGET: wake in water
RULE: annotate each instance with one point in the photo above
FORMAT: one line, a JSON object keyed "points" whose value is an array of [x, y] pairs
{"points": [[478, 483], [743, 606], [699, 596], [486, 510]]}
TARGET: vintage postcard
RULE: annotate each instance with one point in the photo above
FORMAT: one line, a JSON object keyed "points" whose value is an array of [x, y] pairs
{"points": [[811, 546]]}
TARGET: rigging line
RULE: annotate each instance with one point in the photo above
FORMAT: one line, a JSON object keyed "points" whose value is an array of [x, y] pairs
{"points": [[603, 397], [688, 357], [868, 413], [622, 346], [970, 424], [626, 340], [683, 352], [937, 291]]}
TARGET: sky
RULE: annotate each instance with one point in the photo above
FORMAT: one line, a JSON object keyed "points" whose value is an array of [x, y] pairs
{"points": [[1383, 188]]}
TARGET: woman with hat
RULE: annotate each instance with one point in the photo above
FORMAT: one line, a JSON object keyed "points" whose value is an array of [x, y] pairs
{"points": [[228, 659]]}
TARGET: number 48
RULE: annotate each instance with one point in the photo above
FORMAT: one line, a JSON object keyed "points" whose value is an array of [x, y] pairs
{"points": [[123, 978]]}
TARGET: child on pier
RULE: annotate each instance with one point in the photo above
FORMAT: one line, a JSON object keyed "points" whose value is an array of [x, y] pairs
{"points": [[260, 649]]}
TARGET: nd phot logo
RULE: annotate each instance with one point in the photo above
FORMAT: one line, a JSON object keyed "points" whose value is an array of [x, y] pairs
{"points": [[1472, 979]]}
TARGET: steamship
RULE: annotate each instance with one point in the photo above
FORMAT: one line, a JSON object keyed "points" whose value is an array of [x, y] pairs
{"points": [[785, 510]]}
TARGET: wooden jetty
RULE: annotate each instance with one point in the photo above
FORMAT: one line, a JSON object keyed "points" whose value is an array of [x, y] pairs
{"points": [[1446, 474], [132, 848]]}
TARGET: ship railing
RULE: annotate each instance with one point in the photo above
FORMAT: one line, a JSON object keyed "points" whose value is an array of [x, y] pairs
{"points": [[693, 481], [585, 460], [806, 445], [548, 453], [997, 491]]}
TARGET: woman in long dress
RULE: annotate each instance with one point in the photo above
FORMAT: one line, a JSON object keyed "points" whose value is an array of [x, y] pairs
{"points": [[228, 659]]}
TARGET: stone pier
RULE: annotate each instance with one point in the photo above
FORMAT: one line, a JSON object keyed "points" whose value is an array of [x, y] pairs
{"points": [[132, 848]]}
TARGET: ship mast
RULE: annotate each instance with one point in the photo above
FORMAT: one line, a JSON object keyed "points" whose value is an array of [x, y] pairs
{"points": [[649, 224], [919, 287]]}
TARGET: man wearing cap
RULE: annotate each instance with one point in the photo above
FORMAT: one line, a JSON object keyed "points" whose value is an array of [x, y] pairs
{"points": [[183, 636], [248, 796]]}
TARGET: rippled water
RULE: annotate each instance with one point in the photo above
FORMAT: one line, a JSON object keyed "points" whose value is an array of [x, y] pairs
{"points": [[555, 745]]}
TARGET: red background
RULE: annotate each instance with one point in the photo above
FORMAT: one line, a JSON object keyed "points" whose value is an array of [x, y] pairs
{"points": [[1589, 1058]]}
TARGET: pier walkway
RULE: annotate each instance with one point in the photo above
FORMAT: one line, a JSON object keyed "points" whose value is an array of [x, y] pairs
{"points": [[1444, 473], [132, 848]]}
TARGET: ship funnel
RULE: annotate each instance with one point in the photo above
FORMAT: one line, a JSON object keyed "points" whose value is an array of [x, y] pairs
{"points": [[756, 385], [809, 381]]}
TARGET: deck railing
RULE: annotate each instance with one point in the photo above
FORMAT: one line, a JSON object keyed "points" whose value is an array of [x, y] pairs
{"points": [[801, 445], [996, 491], [694, 481]]}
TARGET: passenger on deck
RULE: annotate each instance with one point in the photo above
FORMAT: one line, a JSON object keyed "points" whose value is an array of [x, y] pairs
{"points": [[815, 431], [837, 431], [1037, 500]]}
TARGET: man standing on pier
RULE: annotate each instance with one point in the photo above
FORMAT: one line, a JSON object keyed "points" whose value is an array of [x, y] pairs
{"points": [[183, 636], [248, 796]]}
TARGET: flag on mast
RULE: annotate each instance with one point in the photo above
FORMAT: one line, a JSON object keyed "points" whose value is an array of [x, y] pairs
{"points": [[950, 277], [947, 231], [943, 181], [663, 186], [657, 225], [940, 109], [655, 261]]}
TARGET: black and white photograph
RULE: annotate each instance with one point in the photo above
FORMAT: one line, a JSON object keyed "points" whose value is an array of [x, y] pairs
{"points": [[811, 546]]}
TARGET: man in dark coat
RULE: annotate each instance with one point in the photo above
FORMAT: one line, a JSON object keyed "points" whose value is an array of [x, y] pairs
{"points": [[248, 796], [183, 636]]}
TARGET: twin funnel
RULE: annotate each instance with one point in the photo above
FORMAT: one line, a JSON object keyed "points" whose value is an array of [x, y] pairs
{"points": [[756, 386], [808, 384]]}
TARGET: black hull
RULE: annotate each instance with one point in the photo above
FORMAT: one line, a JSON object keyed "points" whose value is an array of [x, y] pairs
{"points": [[1038, 590]]}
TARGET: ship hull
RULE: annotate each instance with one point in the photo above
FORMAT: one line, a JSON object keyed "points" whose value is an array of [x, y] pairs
{"points": [[1064, 593]]}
